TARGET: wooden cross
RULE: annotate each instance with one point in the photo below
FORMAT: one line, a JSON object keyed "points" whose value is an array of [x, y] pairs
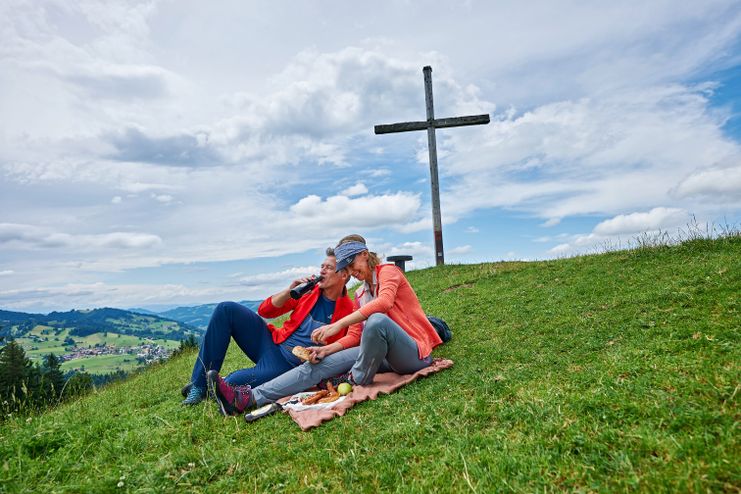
{"points": [[430, 125]]}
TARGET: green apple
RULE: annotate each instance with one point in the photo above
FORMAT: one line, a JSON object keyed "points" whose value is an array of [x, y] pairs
{"points": [[344, 389]]}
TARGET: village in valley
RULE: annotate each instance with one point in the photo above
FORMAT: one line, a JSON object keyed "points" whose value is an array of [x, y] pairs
{"points": [[98, 353], [146, 353]]}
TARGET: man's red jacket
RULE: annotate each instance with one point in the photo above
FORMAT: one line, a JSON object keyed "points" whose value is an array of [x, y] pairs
{"points": [[301, 308]]}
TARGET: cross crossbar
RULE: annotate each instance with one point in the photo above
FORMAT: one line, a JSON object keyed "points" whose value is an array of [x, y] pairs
{"points": [[438, 123]]}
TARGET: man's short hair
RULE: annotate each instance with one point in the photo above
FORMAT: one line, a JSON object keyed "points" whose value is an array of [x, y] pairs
{"points": [[330, 252]]}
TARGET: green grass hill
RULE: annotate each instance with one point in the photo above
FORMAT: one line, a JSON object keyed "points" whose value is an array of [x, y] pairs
{"points": [[605, 373]]}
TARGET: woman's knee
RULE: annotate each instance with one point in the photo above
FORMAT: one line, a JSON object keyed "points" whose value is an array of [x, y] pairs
{"points": [[376, 322]]}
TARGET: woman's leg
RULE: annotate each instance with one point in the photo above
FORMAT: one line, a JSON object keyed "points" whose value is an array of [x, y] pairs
{"points": [[230, 320], [383, 339], [305, 376]]}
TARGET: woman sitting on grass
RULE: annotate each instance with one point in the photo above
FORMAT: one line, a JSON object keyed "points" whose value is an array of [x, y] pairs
{"points": [[387, 332]]}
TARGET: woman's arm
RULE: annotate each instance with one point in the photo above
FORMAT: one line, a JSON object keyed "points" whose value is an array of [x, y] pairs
{"points": [[319, 352], [321, 334]]}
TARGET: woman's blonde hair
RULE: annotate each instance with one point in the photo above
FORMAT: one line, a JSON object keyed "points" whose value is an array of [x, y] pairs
{"points": [[373, 259]]}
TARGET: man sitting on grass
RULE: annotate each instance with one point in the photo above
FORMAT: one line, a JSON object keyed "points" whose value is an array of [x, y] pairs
{"points": [[269, 347]]}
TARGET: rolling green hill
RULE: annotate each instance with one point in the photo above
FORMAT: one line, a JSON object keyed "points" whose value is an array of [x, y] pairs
{"points": [[69, 333], [86, 322], [607, 373]]}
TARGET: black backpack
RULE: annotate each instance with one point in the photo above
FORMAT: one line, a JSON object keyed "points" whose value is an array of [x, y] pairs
{"points": [[441, 327]]}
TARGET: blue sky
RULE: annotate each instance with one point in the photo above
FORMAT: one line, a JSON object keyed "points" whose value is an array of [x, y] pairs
{"points": [[166, 153]]}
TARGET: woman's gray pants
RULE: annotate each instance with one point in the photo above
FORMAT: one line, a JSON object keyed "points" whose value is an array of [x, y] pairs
{"points": [[384, 346]]}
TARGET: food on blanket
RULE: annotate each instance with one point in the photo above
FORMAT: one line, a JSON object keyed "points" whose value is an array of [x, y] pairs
{"points": [[310, 400], [344, 389], [332, 394], [330, 398], [302, 353]]}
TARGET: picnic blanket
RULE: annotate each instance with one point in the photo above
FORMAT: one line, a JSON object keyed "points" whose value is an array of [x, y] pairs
{"points": [[386, 382]]}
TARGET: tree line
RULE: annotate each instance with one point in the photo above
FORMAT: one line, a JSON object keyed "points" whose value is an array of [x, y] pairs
{"points": [[26, 387]]}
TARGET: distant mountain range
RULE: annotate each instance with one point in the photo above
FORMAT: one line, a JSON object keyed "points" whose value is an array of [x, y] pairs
{"points": [[198, 315], [172, 324], [86, 322]]}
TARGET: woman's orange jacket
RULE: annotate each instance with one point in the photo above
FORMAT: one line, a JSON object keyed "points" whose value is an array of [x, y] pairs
{"points": [[396, 299]]}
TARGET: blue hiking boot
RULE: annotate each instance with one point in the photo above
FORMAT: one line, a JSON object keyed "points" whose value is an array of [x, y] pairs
{"points": [[195, 396], [185, 391]]}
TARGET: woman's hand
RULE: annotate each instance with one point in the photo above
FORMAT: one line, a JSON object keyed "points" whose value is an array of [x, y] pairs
{"points": [[321, 334], [318, 353]]}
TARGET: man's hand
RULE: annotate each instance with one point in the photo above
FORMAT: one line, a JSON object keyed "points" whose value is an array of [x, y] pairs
{"points": [[280, 298], [299, 281], [321, 334]]}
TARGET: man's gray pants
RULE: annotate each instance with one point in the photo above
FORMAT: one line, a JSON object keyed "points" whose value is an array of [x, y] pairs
{"points": [[384, 346]]}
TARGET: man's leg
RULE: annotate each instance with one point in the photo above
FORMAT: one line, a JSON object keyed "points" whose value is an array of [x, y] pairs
{"points": [[305, 376], [230, 320], [383, 339], [271, 364]]}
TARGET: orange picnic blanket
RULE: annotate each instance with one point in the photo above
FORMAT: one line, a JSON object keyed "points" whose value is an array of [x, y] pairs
{"points": [[386, 382]]}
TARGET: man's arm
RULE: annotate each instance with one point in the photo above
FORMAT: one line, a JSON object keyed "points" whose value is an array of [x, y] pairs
{"points": [[279, 303]]}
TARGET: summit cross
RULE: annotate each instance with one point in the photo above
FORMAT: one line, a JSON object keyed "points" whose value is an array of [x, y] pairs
{"points": [[430, 125]]}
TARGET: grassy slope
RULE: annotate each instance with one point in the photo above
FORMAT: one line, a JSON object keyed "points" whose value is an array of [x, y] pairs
{"points": [[611, 373]]}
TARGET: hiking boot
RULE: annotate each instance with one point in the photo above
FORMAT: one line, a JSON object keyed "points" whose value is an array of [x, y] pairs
{"points": [[232, 400], [337, 380], [186, 390], [195, 396]]}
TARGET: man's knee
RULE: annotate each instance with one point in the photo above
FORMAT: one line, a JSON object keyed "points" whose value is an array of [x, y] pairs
{"points": [[225, 306], [306, 371]]}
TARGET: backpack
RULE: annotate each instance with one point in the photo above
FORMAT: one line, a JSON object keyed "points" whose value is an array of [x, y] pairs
{"points": [[443, 331]]}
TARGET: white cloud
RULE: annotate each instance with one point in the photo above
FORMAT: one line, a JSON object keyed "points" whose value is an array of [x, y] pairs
{"points": [[551, 222], [285, 276], [356, 190], [370, 211], [379, 172], [418, 250], [624, 150], [656, 219], [461, 249], [6, 272], [712, 183], [29, 236], [164, 198], [621, 231], [92, 295], [472, 229]]}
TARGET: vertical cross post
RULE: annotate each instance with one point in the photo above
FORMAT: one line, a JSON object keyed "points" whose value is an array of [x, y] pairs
{"points": [[430, 125], [437, 223]]}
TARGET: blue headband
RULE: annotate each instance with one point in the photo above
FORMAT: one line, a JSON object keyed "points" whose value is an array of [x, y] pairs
{"points": [[345, 253]]}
